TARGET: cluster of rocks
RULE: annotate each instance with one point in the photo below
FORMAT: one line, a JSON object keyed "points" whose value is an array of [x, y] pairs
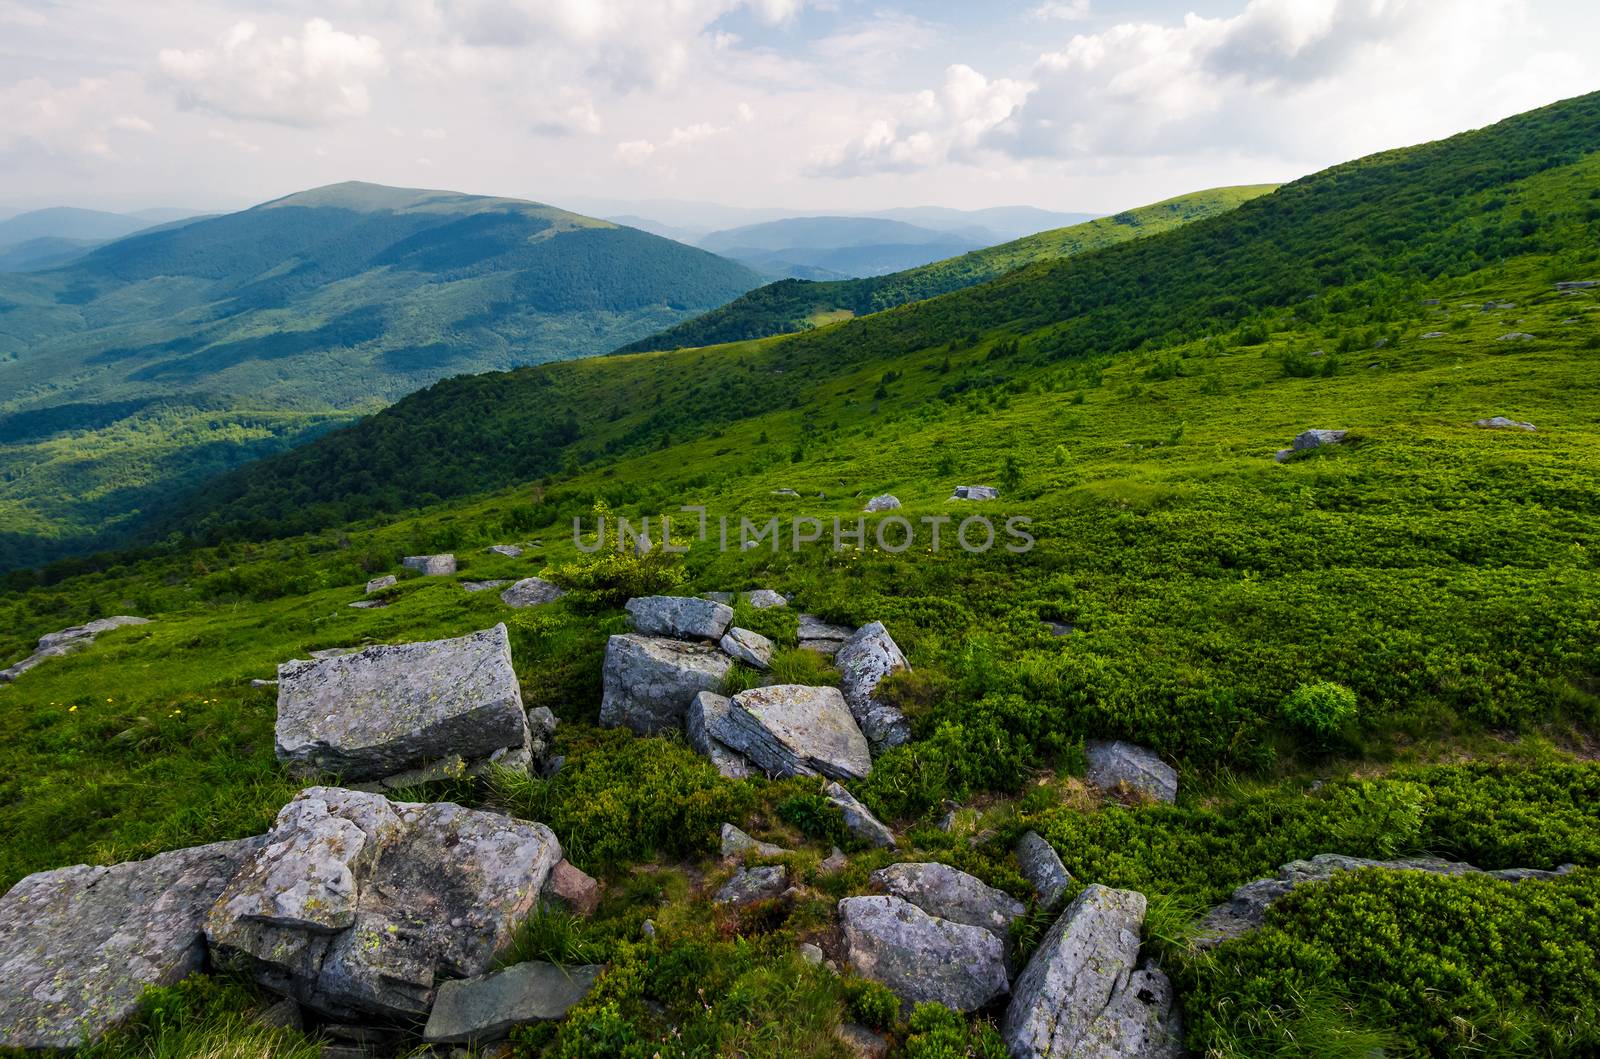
{"points": [[1311, 439], [668, 673], [352, 906], [407, 713], [1246, 909], [527, 592], [938, 934], [56, 644]]}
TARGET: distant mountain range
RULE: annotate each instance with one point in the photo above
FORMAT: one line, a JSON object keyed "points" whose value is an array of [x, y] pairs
{"points": [[175, 353], [49, 238], [795, 305], [837, 247]]}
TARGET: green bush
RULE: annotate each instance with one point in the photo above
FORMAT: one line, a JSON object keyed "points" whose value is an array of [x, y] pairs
{"points": [[1323, 708], [936, 1032], [872, 1003]]}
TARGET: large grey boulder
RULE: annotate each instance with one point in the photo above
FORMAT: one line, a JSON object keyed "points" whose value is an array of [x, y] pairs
{"points": [[680, 617], [389, 708], [794, 730], [1140, 1021], [487, 1008], [922, 957], [819, 636], [358, 906], [858, 820], [79, 945], [1042, 867], [1246, 909], [648, 682], [1115, 764], [975, 492], [863, 660], [1315, 439], [1503, 423], [56, 644], [431, 565], [1086, 957], [883, 502], [705, 705], [531, 592], [942, 891], [751, 648]]}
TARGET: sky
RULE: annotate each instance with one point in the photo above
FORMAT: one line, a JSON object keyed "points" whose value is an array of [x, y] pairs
{"points": [[1078, 105]]}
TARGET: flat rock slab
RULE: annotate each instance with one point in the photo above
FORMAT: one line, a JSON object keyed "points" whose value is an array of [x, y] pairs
{"points": [[1140, 1021], [431, 565], [79, 945], [485, 1009], [749, 885], [751, 648], [869, 655], [358, 906], [736, 843], [1069, 983], [821, 637], [921, 957], [510, 551], [649, 681], [389, 708], [531, 592], [975, 492], [706, 704], [56, 644], [1115, 764], [942, 891], [794, 730], [680, 617]]}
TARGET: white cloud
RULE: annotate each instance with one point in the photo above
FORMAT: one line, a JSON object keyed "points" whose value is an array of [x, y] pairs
{"points": [[83, 120], [929, 129], [1061, 10], [315, 77]]}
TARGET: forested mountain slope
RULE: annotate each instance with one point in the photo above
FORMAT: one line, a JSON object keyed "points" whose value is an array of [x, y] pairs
{"points": [[797, 305], [167, 356]]}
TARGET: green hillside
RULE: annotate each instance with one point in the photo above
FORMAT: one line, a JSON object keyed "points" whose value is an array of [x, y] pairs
{"points": [[230, 337], [1384, 647], [797, 305]]}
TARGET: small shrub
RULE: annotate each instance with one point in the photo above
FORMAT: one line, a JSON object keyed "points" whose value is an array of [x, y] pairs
{"points": [[872, 1003], [1323, 708]]}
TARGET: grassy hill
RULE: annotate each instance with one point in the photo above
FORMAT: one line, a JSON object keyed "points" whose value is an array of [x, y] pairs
{"points": [[797, 305], [1128, 402], [225, 338]]}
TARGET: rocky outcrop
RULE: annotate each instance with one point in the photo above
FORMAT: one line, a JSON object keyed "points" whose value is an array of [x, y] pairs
{"points": [[883, 502], [748, 647], [1502, 423], [79, 945], [357, 906], [975, 492], [817, 635], [858, 820], [1080, 994], [750, 885], [431, 565], [531, 592], [648, 682], [728, 761], [1246, 910], [863, 661], [680, 617], [922, 957], [942, 891], [1042, 867], [56, 644], [794, 730], [389, 708], [487, 1008], [1116, 765]]}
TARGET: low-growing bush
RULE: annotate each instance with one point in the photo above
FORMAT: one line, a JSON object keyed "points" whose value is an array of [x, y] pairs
{"points": [[1323, 708]]}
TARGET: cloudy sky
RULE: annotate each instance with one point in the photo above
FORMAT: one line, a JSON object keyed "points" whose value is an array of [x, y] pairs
{"points": [[828, 104]]}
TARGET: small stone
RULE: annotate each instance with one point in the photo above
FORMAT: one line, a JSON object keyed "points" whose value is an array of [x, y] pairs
{"points": [[510, 551], [1502, 423], [1042, 867], [1316, 439], [371, 604], [1116, 764], [647, 928], [572, 889], [788, 493], [1515, 336], [975, 492], [532, 592], [1577, 284], [1434, 334], [835, 861], [858, 819], [748, 647], [487, 1008], [483, 586], [861, 1042], [811, 953], [257, 682], [883, 502], [765, 599], [431, 565], [283, 1015], [749, 885], [377, 584], [736, 843], [1058, 628]]}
